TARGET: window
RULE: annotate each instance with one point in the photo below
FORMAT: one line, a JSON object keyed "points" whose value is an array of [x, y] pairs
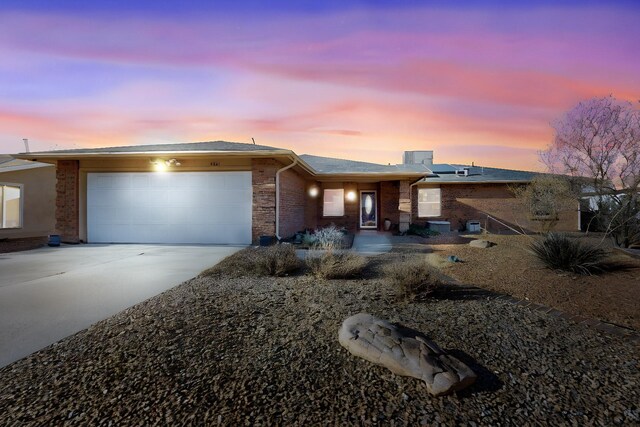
{"points": [[428, 202], [333, 202], [10, 206]]}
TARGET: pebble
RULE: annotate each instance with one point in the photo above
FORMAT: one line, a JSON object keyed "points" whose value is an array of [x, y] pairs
{"points": [[240, 351]]}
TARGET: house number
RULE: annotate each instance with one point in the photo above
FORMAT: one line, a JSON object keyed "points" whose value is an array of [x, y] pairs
{"points": [[215, 163]]}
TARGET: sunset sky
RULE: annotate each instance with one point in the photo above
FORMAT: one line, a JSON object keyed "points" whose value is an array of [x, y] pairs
{"points": [[365, 80]]}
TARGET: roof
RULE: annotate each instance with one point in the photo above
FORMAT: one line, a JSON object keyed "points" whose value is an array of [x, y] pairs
{"points": [[478, 174], [10, 164], [329, 165], [326, 166], [166, 148]]}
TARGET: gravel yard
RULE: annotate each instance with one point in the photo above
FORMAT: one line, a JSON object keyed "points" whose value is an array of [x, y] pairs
{"points": [[252, 351], [509, 268]]}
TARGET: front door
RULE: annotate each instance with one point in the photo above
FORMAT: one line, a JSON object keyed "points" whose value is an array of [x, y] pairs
{"points": [[368, 209]]}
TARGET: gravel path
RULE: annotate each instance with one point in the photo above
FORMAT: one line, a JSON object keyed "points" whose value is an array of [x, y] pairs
{"points": [[253, 351]]}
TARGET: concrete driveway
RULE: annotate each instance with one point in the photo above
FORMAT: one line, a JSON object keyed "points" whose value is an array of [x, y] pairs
{"points": [[50, 293]]}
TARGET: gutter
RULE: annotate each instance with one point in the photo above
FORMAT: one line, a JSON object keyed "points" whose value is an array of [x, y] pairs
{"points": [[278, 172]]}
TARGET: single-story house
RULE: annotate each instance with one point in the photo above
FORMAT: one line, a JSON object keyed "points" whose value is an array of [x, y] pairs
{"points": [[27, 199], [225, 192]]}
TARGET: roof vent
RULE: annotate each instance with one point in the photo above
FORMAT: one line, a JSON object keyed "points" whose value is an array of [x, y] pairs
{"points": [[424, 157], [463, 171]]}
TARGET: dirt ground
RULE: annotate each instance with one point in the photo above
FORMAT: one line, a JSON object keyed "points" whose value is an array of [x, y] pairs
{"points": [[508, 267]]}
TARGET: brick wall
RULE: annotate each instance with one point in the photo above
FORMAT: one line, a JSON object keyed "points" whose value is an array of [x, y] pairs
{"points": [[463, 202], [350, 219], [292, 203], [389, 193], [67, 193], [263, 179], [311, 206], [404, 205]]}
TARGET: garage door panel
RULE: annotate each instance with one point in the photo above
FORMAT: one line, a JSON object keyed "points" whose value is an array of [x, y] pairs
{"points": [[150, 216], [185, 207]]}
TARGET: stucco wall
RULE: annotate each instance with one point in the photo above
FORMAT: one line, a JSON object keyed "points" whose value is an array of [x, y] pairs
{"points": [[463, 202], [38, 202]]}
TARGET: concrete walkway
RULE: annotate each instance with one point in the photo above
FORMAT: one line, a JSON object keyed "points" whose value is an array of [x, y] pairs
{"points": [[50, 293], [371, 242]]}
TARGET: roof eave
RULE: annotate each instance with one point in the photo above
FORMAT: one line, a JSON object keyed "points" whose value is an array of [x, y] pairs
{"points": [[24, 167], [54, 155], [498, 181]]}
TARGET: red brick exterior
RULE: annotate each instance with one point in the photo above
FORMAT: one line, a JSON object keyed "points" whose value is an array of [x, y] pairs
{"points": [[67, 193], [263, 179], [388, 196], [463, 202], [293, 194]]}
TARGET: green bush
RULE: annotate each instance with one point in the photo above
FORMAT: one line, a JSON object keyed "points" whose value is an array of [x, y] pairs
{"points": [[412, 278], [336, 264], [559, 252], [276, 260]]}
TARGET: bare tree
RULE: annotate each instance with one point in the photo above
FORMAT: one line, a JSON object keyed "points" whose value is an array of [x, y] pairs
{"points": [[599, 140], [545, 198]]}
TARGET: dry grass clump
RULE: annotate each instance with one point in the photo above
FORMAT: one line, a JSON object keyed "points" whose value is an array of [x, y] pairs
{"points": [[412, 278], [559, 252], [334, 264], [276, 260]]}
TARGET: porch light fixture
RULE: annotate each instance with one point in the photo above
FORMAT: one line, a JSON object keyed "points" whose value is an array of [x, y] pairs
{"points": [[313, 191], [160, 165], [351, 196]]}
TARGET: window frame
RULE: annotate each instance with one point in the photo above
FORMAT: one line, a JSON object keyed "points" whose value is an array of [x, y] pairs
{"points": [[324, 201], [438, 203], [20, 187]]}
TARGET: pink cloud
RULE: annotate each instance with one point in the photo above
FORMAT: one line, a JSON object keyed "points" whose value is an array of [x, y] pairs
{"points": [[365, 83]]}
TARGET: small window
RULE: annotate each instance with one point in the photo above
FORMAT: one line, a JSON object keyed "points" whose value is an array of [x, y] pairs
{"points": [[10, 206], [428, 202], [333, 202]]}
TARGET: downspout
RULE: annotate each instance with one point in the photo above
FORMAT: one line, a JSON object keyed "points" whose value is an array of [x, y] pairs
{"points": [[411, 198], [295, 162]]}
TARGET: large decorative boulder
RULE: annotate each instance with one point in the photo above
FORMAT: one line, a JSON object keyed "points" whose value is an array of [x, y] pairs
{"points": [[481, 243], [382, 343]]}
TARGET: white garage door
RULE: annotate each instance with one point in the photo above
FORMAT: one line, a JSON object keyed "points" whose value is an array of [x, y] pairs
{"points": [[179, 207]]}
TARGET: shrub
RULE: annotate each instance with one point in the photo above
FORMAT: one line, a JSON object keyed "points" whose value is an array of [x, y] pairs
{"points": [[559, 252], [412, 278], [336, 264], [277, 260], [421, 231], [308, 239], [330, 237]]}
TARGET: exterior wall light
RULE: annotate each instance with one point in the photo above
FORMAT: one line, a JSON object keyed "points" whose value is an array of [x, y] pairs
{"points": [[351, 196], [313, 191], [160, 165]]}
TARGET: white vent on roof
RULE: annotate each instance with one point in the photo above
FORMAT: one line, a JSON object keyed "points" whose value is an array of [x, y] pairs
{"points": [[463, 172], [424, 157]]}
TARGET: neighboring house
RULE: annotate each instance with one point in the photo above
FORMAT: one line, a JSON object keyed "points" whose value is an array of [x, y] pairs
{"points": [[27, 199], [223, 192]]}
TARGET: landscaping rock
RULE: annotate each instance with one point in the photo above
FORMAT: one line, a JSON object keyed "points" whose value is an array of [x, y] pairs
{"points": [[381, 342], [481, 243]]}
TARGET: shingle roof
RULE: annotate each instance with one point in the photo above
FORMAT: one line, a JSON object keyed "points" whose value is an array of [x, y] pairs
{"points": [[437, 173], [329, 165], [189, 146], [480, 174]]}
